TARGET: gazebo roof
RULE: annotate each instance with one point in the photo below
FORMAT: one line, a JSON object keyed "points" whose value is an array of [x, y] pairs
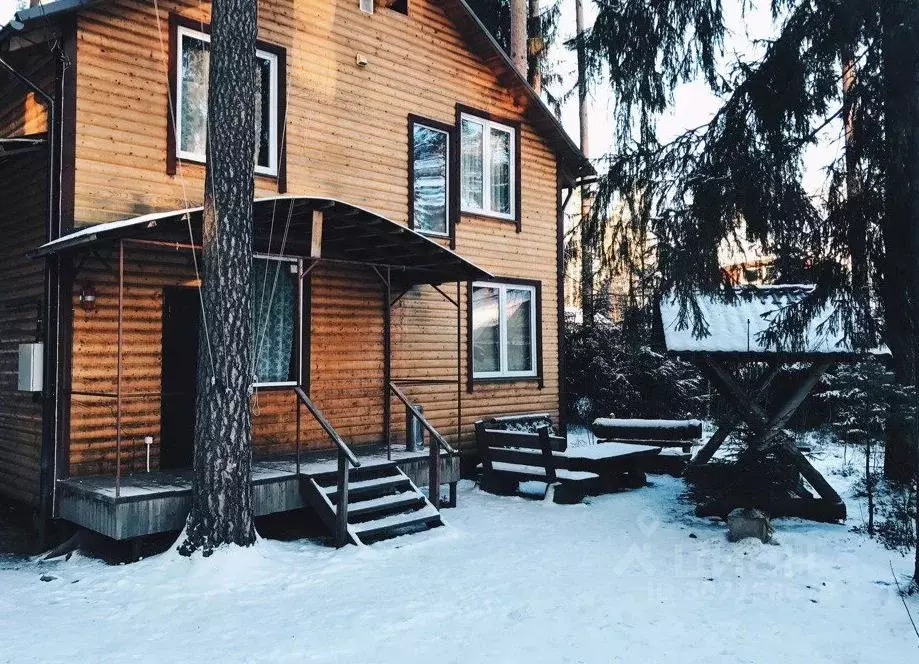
{"points": [[737, 328]]}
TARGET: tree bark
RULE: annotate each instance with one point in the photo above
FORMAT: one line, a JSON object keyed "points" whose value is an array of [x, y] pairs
{"points": [[588, 308], [221, 511], [900, 286], [519, 35], [855, 218], [533, 54]]}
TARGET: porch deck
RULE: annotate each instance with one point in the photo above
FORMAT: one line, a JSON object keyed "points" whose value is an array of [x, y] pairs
{"points": [[159, 501]]}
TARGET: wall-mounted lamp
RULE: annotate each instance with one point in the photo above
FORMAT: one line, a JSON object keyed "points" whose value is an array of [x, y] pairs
{"points": [[88, 297]]}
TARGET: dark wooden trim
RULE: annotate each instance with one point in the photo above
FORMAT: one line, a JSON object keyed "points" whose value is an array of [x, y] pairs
{"points": [[516, 126], [470, 371], [538, 378], [175, 22], [281, 54], [173, 95], [560, 202], [452, 146], [68, 120], [306, 338]]}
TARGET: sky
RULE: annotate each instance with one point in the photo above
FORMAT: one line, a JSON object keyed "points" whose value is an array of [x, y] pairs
{"points": [[693, 103], [7, 7]]}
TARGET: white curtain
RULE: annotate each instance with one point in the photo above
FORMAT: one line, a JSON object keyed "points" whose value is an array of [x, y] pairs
{"points": [[273, 318]]}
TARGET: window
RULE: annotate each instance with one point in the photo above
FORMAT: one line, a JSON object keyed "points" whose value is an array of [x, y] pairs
{"points": [[429, 173], [274, 289], [487, 167], [504, 340], [192, 71]]}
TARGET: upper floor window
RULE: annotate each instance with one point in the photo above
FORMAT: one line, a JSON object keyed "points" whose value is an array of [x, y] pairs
{"points": [[487, 167], [504, 323], [430, 176], [192, 72]]}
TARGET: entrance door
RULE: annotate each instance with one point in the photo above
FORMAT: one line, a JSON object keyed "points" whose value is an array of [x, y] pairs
{"points": [[180, 360]]}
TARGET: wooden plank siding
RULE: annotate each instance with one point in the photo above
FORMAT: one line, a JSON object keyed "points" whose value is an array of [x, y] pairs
{"points": [[22, 225], [346, 137]]}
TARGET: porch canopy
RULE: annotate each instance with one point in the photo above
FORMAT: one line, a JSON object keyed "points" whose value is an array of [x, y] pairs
{"points": [[736, 337], [320, 228]]}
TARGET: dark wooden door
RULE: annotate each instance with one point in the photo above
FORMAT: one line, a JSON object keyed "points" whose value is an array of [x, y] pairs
{"points": [[181, 308]]}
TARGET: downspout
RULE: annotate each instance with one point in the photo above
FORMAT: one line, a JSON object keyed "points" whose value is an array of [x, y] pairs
{"points": [[51, 318]]}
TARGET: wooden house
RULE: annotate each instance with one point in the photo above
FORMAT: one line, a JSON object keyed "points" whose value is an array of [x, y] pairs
{"points": [[408, 237]]}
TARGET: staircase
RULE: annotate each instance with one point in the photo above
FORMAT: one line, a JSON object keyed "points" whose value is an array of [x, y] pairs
{"points": [[382, 502]]}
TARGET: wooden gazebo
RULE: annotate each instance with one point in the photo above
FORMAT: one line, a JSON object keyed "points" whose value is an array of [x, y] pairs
{"points": [[735, 336]]}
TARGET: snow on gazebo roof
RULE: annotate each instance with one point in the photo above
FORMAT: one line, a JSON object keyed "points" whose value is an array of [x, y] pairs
{"points": [[737, 327]]}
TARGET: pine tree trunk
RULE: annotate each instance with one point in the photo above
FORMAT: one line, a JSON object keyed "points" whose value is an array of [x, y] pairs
{"points": [[900, 287], [519, 35], [587, 263], [221, 510], [534, 76]]}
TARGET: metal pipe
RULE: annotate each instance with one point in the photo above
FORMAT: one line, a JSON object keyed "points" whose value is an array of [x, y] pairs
{"points": [[459, 369], [118, 375], [387, 366]]}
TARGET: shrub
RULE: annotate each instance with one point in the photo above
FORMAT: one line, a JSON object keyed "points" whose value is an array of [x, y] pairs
{"points": [[608, 375]]}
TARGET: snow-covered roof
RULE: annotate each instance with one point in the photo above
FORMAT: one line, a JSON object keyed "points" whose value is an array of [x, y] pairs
{"points": [[739, 326]]}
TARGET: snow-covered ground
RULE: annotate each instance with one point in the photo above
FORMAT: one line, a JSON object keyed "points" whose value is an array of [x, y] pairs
{"points": [[630, 577]]}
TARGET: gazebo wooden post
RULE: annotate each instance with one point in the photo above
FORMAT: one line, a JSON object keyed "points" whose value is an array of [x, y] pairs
{"points": [[721, 435], [767, 428]]}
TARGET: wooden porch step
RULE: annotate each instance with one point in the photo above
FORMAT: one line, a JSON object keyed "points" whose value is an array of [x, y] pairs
{"points": [[397, 501], [382, 502], [390, 525], [376, 484]]}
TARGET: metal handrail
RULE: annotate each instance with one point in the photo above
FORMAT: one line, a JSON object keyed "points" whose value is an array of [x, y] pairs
{"points": [[324, 423], [434, 450], [345, 457], [435, 434]]}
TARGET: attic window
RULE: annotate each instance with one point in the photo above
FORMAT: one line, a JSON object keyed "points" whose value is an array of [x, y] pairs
{"points": [[400, 6]]}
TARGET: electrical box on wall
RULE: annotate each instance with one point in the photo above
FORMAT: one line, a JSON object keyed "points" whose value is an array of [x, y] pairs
{"points": [[31, 366]]}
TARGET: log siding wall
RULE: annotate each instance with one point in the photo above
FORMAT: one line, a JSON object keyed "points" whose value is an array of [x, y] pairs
{"points": [[22, 226], [345, 138]]}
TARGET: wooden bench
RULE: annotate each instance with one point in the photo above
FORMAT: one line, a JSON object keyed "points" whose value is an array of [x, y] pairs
{"points": [[510, 457], [660, 433]]}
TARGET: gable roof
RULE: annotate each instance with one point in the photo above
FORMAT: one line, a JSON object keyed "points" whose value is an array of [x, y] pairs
{"points": [[571, 159]]}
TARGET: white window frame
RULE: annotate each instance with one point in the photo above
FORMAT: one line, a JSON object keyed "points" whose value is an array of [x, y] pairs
{"points": [[298, 349], [503, 372], [272, 168], [487, 126], [446, 233]]}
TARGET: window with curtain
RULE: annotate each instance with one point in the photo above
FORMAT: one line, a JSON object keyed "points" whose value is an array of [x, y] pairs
{"points": [[273, 288], [193, 56], [487, 167], [503, 330], [430, 178]]}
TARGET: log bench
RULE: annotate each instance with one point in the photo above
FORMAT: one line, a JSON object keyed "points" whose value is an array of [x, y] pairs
{"points": [[511, 457], [661, 433]]}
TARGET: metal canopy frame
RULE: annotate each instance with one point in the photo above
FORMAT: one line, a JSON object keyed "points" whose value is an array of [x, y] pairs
{"points": [[346, 225], [350, 235]]}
